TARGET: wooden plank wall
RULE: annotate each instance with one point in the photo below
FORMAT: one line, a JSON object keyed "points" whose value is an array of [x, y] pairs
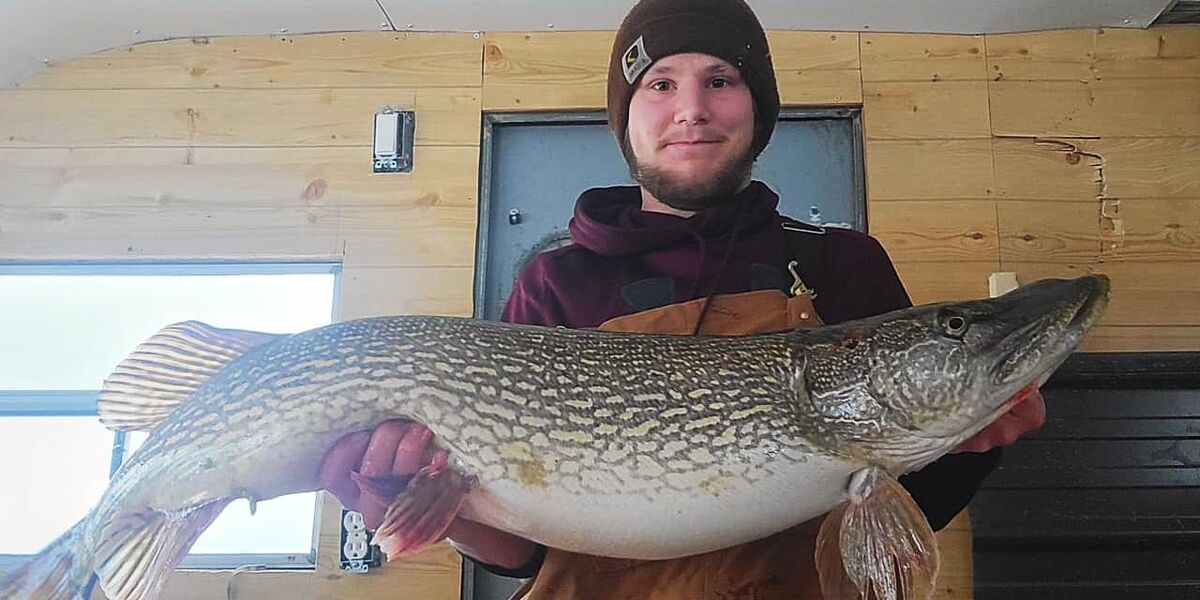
{"points": [[1052, 153]]}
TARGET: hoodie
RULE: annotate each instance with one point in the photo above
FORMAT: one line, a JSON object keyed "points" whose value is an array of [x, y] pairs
{"points": [[618, 251]]}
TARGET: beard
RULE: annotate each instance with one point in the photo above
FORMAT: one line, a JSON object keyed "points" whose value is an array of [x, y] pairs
{"points": [[726, 179]]}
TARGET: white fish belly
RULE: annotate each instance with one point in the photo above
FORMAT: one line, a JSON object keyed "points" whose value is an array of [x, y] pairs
{"points": [[668, 524]]}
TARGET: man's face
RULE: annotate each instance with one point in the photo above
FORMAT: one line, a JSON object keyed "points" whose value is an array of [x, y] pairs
{"points": [[691, 126]]}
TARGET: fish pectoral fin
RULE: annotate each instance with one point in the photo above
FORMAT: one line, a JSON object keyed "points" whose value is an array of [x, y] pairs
{"points": [[164, 370], [423, 513], [138, 551], [878, 545]]}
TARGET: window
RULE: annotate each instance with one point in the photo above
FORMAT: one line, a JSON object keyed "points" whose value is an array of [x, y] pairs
{"points": [[66, 327]]}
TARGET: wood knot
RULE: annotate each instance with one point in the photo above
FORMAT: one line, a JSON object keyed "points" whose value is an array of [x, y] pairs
{"points": [[493, 52], [429, 200], [315, 190], [975, 235], [1074, 158], [198, 71], [1028, 237]]}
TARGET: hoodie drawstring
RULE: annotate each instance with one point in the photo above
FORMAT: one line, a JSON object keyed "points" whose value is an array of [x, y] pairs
{"points": [[712, 289]]}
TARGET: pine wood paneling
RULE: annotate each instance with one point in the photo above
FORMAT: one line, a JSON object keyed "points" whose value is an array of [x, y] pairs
{"points": [[538, 71], [931, 58], [290, 117], [920, 110], [937, 230], [1120, 107], [339, 60], [1150, 231], [1075, 55], [213, 178], [947, 281], [1180, 338], [372, 291], [816, 67], [928, 169], [1044, 55]]}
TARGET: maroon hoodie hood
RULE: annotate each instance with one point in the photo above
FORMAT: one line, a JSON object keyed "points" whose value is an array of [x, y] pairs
{"points": [[610, 221]]}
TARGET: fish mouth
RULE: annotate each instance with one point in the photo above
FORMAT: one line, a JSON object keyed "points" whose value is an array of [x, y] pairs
{"points": [[1094, 303], [1032, 352]]}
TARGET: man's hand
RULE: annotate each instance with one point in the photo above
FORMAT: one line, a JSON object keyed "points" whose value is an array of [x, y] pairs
{"points": [[367, 470], [1027, 414]]}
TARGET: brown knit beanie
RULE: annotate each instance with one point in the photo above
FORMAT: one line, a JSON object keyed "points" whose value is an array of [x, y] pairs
{"points": [[726, 29]]}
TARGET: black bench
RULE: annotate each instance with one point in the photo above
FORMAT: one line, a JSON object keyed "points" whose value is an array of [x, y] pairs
{"points": [[1104, 501]]}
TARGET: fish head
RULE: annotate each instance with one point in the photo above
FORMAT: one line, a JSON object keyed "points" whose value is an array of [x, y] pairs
{"points": [[903, 388]]}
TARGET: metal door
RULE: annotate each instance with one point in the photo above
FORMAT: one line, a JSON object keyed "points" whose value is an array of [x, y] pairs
{"points": [[535, 166]]}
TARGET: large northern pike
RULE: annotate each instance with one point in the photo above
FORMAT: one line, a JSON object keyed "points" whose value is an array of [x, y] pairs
{"points": [[625, 445]]}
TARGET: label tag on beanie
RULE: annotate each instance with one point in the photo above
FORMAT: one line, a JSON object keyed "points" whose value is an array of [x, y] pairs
{"points": [[635, 60]]}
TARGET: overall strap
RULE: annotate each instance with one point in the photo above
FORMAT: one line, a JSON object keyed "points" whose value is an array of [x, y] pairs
{"points": [[807, 245]]}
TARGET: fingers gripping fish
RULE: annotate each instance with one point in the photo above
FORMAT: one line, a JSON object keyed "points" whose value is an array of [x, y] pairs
{"points": [[625, 445]]}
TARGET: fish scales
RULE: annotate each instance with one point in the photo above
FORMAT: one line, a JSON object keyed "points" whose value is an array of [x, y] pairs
{"points": [[601, 371]]}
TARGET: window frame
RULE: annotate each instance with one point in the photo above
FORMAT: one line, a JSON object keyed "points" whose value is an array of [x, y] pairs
{"points": [[75, 403]]}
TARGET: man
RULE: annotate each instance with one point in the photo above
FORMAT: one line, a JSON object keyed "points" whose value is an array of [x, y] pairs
{"points": [[697, 247]]}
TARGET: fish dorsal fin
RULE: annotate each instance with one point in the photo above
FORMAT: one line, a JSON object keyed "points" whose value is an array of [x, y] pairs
{"points": [[165, 369], [878, 545]]}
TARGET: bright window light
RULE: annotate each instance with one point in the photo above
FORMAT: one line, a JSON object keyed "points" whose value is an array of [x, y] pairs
{"points": [[54, 470], [68, 332], [68, 329]]}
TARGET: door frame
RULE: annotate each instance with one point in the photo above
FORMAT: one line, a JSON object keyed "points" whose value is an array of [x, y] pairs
{"points": [[492, 121]]}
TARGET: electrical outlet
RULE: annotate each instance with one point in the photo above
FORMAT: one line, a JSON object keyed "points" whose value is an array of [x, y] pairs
{"points": [[357, 553], [356, 546], [353, 521]]}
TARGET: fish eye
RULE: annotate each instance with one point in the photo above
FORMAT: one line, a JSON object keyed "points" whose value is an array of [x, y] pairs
{"points": [[955, 325]]}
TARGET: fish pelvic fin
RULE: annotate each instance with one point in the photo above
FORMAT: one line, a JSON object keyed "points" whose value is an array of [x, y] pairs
{"points": [[423, 513], [878, 545], [138, 551], [164, 370], [58, 572]]}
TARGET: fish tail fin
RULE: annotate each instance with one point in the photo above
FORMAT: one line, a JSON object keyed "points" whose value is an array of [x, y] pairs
{"points": [[878, 545], [58, 572], [138, 551]]}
